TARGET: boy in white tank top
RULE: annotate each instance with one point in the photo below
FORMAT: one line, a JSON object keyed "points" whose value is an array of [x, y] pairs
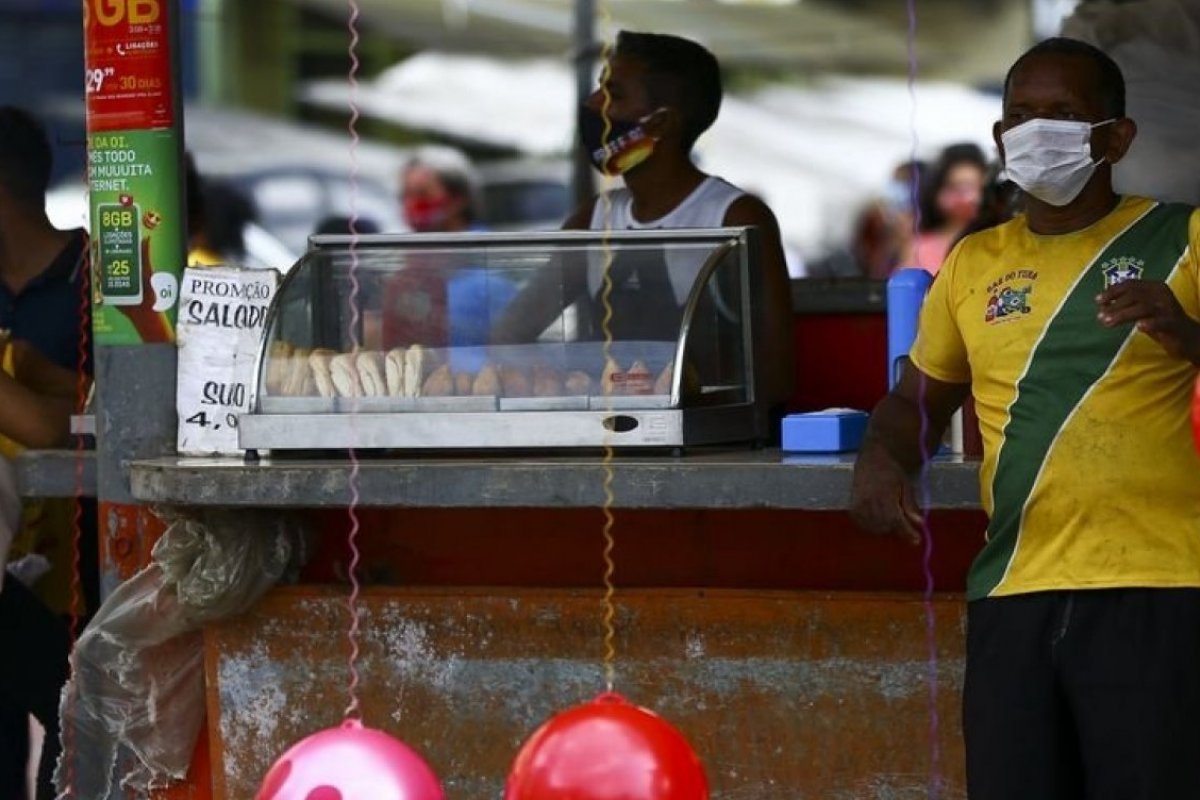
{"points": [[663, 93]]}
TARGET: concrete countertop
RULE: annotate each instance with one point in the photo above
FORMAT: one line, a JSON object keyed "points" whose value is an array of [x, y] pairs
{"points": [[728, 479], [56, 473]]}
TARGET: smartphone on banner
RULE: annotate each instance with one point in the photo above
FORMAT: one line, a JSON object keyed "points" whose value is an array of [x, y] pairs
{"points": [[120, 253]]}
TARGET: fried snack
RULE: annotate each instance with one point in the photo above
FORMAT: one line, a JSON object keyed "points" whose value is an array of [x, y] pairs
{"points": [[611, 379], [440, 383], [319, 360], [295, 372], [414, 371], [547, 381], [370, 373], [578, 382], [463, 381], [307, 379], [278, 366], [345, 375], [487, 382], [514, 382], [638, 379], [393, 367], [663, 384]]}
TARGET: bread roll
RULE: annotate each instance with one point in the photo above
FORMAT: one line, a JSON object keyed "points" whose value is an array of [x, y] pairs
{"points": [[440, 383], [345, 375], [487, 382], [463, 382], [578, 382], [414, 371], [638, 379], [297, 374], [278, 366], [319, 360], [547, 381], [393, 367], [514, 382], [370, 373], [611, 379]]}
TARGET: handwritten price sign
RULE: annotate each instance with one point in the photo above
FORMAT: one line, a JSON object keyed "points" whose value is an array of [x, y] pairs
{"points": [[222, 316]]}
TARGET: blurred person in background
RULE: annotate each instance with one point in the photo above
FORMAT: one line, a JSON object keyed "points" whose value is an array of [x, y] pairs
{"points": [[884, 234], [883, 230], [217, 216], [441, 302], [440, 192], [1000, 202], [949, 201], [43, 279], [37, 398]]}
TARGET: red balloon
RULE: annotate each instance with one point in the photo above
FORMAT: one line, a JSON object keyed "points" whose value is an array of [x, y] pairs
{"points": [[1196, 414], [607, 749], [350, 762]]}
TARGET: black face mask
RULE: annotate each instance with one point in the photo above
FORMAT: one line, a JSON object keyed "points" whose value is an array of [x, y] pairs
{"points": [[626, 145]]}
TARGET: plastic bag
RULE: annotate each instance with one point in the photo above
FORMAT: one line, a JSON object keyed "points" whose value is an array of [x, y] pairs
{"points": [[1157, 45], [134, 706]]}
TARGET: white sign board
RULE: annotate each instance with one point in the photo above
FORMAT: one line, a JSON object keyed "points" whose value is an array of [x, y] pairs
{"points": [[222, 316]]}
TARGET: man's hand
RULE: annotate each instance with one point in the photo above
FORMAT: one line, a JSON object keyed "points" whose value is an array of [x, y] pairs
{"points": [[881, 499], [1156, 310], [881, 496]]}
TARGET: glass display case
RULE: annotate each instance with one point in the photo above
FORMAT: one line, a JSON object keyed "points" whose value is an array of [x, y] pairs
{"points": [[516, 341]]}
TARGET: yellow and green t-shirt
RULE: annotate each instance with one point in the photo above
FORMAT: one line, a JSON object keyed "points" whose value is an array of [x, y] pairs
{"points": [[1089, 475]]}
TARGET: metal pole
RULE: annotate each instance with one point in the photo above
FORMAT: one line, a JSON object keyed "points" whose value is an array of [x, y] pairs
{"points": [[138, 247], [582, 185]]}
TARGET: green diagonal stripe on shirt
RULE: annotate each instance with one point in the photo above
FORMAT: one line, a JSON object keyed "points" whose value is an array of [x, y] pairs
{"points": [[1074, 353]]}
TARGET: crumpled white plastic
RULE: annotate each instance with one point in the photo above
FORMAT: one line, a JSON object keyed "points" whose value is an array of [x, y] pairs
{"points": [[133, 709]]}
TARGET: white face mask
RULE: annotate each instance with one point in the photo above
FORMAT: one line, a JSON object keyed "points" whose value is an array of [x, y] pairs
{"points": [[1051, 159]]}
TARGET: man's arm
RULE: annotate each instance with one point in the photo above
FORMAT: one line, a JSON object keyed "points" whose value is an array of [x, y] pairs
{"points": [[546, 295], [36, 402], [41, 375], [777, 296], [32, 420], [881, 499]]}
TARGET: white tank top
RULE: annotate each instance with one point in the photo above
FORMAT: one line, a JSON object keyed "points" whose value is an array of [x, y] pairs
{"points": [[705, 207]]}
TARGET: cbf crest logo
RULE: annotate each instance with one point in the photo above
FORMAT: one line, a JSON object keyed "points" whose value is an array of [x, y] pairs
{"points": [[1121, 269], [1009, 296]]}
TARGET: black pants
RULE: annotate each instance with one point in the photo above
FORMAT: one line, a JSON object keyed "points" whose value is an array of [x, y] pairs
{"points": [[1084, 695], [33, 669]]}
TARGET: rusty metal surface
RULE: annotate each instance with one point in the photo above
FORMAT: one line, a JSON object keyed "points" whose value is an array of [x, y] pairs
{"points": [[785, 695], [730, 479]]}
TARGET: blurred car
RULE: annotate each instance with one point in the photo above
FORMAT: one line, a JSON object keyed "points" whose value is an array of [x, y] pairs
{"points": [[292, 201], [525, 194]]}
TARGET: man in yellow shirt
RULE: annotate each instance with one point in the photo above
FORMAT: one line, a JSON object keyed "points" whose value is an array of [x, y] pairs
{"points": [[1074, 328]]}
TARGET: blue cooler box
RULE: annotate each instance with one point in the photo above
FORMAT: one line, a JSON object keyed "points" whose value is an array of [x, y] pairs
{"points": [[835, 430]]}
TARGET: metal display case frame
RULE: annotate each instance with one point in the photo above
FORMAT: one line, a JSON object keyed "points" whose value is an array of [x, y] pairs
{"points": [[617, 421]]}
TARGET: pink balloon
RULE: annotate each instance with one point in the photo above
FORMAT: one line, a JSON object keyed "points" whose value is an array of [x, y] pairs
{"points": [[350, 762], [607, 749]]}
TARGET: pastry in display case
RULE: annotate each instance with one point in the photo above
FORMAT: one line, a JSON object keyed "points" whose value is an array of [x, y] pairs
{"points": [[513, 341]]}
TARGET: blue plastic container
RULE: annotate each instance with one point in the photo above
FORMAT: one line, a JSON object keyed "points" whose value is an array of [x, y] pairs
{"points": [[837, 430], [906, 291]]}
